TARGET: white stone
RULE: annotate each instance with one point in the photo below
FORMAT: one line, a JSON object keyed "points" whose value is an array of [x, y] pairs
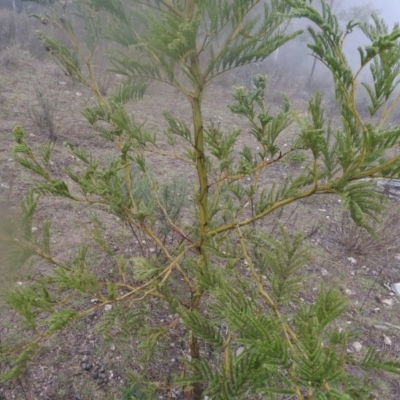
{"points": [[352, 260], [78, 94], [357, 346], [239, 351], [386, 340], [324, 272], [396, 288], [34, 229], [107, 307], [387, 302]]}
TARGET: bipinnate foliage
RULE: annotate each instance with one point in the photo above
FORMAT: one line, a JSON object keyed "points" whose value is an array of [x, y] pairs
{"points": [[225, 285]]}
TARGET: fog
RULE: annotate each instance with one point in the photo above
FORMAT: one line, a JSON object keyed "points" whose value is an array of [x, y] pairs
{"points": [[290, 68], [390, 9], [295, 59]]}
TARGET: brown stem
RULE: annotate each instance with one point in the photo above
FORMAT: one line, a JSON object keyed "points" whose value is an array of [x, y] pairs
{"points": [[197, 388]]}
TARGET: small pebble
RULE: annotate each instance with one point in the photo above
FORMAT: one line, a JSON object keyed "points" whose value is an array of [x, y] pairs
{"points": [[239, 351], [387, 340], [387, 302], [381, 327], [86, 366], [357, 346]]}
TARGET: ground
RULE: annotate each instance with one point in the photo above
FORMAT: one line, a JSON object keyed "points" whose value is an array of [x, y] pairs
{"points": [[79, 364]]}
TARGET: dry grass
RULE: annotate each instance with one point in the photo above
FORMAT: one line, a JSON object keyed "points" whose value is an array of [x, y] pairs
{"points": [[357, 240], [42, 113]]}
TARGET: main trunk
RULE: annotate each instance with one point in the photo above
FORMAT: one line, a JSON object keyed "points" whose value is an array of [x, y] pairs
{"points": [[201, 167], [203, 216], [197, 388], [196, 100]]}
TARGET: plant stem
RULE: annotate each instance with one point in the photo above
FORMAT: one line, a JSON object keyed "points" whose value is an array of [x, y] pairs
{"points": [[196, 99], [197, 388], [201, 167]]}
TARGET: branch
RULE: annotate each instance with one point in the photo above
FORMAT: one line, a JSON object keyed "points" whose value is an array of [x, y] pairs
{"points": [[279, 204]]}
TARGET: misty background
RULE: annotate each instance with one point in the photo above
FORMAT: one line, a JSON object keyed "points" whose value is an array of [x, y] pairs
{"points": [[291, 69]]}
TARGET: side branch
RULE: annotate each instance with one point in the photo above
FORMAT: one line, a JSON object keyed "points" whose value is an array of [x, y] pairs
{"points": [[276, 206]]}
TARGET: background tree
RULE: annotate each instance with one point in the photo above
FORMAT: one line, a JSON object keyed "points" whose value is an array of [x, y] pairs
{"points": [[263, 343]]}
